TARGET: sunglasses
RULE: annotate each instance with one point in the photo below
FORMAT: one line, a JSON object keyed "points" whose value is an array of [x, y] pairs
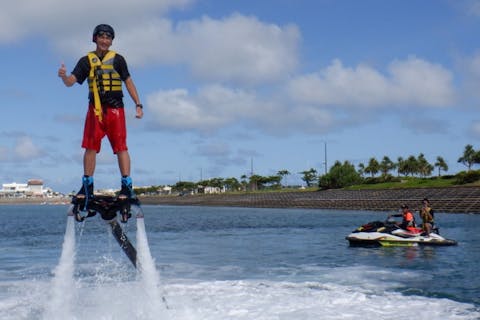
{"points": [[105, 34]]}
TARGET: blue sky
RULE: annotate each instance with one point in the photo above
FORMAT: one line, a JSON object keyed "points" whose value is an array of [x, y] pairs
{"points": [[229, 83]]}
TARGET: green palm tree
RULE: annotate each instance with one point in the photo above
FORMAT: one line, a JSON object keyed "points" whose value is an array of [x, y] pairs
{"points": [[283, 174], [469, 157], [386, 165], [441, 165], [373, 167]]}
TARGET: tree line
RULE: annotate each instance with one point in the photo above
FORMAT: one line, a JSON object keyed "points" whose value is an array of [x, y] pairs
{"points": [[344, 174]]}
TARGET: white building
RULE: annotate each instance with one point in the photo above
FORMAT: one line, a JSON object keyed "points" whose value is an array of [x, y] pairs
{"points": [[34, 188], [211, 190], [165, 190]]}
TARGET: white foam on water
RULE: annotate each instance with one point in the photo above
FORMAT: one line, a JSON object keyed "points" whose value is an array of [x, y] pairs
{"points": [[63, 284], [148, 274], [25, 300], [267, 300], [342, 293]]}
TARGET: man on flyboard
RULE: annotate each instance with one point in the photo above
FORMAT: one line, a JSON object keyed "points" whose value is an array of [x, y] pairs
{"points": [[105, 71]]}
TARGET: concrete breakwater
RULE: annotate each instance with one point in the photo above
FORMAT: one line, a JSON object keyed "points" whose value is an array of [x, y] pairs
{"points": [[451, 199]]}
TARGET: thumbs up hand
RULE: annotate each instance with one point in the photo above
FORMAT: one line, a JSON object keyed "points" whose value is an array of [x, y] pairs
{"points": [[62, 71], [67, 80]]}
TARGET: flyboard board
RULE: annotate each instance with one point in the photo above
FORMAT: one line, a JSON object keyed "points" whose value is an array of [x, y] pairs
{"points": [[108, 207]]}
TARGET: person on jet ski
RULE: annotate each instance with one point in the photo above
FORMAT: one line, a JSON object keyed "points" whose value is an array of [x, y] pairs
{"points": [[426, 213], [408, 219]]}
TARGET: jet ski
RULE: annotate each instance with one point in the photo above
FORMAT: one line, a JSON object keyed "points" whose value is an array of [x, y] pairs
{"points": [[389, 233]]}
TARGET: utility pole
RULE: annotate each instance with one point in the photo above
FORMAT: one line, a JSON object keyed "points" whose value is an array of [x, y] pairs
{"points": [[251, 167], [253, 184], [325, 143]]}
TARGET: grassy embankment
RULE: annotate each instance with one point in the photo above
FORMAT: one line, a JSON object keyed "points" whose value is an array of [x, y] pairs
{"points": [[412, 182], [405, 182]]}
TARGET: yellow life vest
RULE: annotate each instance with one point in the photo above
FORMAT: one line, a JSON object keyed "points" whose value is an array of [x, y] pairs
{"points": [[102, 78], [426, 215]]}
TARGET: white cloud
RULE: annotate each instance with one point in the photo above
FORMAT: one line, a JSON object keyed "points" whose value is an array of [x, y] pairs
{"points": [[211, 109], [216, 107], [25, 149], [237, 48], [174, 109], [57, 18], [412, 82]]}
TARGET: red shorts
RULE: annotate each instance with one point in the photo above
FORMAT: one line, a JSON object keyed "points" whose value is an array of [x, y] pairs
{"points": [[112, 125]]}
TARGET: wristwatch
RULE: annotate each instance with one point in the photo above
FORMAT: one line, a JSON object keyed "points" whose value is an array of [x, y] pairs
{"points": [[139, 105]]}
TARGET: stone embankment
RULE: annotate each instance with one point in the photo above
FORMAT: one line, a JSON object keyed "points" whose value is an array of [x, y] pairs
{"points": [[453, 199]]}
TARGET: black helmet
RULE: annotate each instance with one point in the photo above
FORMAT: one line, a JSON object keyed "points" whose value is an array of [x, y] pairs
{"points": [[103, 28]]}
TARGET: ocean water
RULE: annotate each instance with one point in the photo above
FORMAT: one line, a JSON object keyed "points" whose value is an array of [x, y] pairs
{"points": [[231, 263]]}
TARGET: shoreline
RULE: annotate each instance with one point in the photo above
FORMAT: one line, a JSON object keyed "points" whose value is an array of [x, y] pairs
{"points": [[448, 199], [35, 201]]}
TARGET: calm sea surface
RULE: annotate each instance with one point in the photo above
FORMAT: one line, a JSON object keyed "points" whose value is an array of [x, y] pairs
{"points": [[235, 263]]}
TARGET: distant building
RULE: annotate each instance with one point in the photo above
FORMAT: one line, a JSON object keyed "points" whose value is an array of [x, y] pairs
{"points": [[33, 188], [165, 190], [210, 190], [106, 192], [17, 190]]}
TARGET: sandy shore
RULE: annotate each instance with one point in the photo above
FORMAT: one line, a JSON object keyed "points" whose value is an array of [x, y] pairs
{"points": [[35, 201]]}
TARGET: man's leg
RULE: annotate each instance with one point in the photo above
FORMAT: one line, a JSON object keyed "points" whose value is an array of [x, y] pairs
{"points": [[429, 228], [92, 136], [124, 162], [89, 162]]}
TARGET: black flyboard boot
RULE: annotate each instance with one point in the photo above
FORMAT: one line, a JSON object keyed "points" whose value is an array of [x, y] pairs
{"points": [[83, 198], [126, 197]]}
